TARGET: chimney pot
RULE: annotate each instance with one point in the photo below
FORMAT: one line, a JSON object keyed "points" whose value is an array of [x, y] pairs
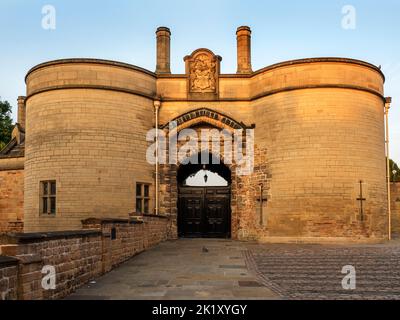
{"points": [[163, 50], [243, 35], [21, 111]]}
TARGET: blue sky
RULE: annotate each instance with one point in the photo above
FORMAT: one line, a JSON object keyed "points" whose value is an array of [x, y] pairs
{"points": [[123, 30]]}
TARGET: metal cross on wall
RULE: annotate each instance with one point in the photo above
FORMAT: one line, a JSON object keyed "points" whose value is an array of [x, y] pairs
{"points": [[261, 199], [361, 199]]}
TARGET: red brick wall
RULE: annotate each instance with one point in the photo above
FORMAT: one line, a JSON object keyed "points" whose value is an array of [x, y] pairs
{"points": [[11, 200]]}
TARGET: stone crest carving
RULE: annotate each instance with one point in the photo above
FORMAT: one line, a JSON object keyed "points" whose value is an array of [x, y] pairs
{"points": [[202, 68], [202, 74]]}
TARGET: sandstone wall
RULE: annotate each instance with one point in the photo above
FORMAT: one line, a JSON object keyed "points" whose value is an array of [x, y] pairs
{"points": [[290, 75], [319, 131], [77, 256], [86, 129], [11, 200], [320, 144], [321, 126], [8, 278], [395, 201]]}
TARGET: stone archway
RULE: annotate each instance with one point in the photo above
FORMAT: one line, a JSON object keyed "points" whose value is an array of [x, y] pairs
{"points": [[169, 187], [204, 210]]}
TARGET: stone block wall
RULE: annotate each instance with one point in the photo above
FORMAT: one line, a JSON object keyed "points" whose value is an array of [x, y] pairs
{"points": [[124, 238], [315, 138], [315, 121], [8, 278], [11, 200], [395, 205], [87, 122], [77, 256]]}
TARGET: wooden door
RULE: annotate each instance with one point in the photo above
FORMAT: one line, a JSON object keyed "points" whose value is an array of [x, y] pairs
{"points": [[204, 212]]}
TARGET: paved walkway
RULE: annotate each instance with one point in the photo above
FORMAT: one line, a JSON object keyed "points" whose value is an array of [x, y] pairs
{"points": [[193, 269], [221, 269]]}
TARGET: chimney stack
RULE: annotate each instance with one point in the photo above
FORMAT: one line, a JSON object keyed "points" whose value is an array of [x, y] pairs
{"points": [[244, 50], [21, 111], [163, 50]]}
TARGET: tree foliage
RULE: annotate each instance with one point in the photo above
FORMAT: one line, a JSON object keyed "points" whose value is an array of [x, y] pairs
{"points": [[6, 123], [394, 171]]}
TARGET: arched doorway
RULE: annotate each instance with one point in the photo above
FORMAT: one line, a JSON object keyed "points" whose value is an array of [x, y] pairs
{"points": [[204, 199]]}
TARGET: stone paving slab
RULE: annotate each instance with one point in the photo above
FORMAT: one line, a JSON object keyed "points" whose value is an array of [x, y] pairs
{"points": [[181, 270], [231, 270]]}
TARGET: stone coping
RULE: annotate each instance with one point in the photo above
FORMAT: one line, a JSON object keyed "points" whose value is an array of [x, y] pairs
{"points": [[133, 220], [89, 61], [12, 163], [319, 60], [110, 221], [17, 238], [160, 216], [233, 75], [7, 156], [305, 61], [8, 261]]}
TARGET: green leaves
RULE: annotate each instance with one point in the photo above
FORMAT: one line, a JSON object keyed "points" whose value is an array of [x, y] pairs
{"points": [[6, 123]]}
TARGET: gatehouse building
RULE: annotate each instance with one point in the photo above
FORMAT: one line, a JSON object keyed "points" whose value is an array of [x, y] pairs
{"points": [[319, 172]]}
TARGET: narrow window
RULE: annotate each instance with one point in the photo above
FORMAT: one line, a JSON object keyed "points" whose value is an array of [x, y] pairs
{"points": [[142, 198], [48, 191], [113, 233]]}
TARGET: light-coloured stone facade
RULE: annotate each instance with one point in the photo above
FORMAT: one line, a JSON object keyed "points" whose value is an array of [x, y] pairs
{"points": [[395, 200], [11, 198], [319, 131]]}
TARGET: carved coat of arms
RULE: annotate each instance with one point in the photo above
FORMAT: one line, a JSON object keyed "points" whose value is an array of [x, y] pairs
{"points": [[202, 69], [202, 74]]}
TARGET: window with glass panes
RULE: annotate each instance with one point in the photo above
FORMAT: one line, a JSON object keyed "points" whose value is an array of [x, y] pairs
{"points": [[142, 198], [48, 190]]}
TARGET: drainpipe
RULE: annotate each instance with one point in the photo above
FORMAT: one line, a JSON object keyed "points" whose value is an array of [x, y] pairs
{"points": [[388, 101], [157, 105]]}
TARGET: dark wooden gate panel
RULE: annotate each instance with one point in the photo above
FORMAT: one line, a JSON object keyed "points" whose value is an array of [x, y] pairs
{"points": [[204, 212], [191, 203]]}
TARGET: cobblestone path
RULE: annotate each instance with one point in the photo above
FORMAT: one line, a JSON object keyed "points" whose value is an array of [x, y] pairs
{"points": [[315, 271]]}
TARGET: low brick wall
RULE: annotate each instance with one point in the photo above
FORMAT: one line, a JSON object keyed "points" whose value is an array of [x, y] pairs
{"points": [[132, 236], [395, 206], [77, 256], [8, 278]]}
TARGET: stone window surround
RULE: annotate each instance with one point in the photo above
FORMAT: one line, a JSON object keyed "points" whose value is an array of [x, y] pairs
{"points": [[142, 198], [47, 196]]}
